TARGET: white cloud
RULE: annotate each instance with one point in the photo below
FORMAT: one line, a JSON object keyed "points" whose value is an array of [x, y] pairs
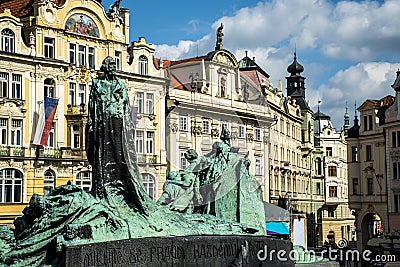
{"points": [[355, 36], [358, 83]]}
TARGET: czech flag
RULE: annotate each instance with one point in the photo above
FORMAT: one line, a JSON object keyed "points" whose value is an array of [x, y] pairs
{"points": [[46, 116]]}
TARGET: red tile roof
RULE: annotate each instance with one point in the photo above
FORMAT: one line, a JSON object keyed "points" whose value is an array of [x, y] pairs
{"points": [[255, 78], [193, 59], [376, 103], [176, 84], [22, 8], [165, 63]]}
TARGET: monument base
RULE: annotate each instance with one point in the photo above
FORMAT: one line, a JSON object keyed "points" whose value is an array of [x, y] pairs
{"points": [[183, 251]]}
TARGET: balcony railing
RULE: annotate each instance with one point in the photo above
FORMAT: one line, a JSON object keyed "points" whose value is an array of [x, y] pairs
{"points": [[149, 159], [14, 151], [49, 152]]}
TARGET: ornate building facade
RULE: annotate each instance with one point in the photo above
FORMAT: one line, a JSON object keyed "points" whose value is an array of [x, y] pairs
{"points": [[335, 219], [392, 156], [54, 49], [208, 94], [367, 170]]}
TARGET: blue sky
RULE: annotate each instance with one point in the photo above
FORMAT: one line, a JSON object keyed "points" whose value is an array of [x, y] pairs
{"points": [[350, 49]]}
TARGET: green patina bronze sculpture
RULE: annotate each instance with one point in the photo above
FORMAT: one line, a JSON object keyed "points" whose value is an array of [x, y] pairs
{"points": [[215, 195]]}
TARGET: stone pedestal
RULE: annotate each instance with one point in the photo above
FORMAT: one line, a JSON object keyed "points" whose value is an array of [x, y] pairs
{"points": [[182, 251]]}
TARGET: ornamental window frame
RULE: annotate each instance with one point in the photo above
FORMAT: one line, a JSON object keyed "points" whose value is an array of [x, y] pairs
{"points": [[7, 40], [143, 65], [11, 186]]}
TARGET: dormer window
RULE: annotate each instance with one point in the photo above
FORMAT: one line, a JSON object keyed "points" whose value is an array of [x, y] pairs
{"points": [[7, 40], [143, 65]]}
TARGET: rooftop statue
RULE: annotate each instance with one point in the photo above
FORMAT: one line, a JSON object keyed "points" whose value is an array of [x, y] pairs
{"points": [[215, 195], [220, 34]]}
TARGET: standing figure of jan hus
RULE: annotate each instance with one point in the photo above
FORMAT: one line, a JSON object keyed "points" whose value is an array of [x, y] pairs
{"points": [[109, 142]]}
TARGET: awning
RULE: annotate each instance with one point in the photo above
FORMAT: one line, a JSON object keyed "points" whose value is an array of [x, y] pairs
{"points": [[277, 228], [275, 214]]}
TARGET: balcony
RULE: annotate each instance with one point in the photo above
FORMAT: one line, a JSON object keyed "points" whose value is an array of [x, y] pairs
{"points": [[49, 152], [147, 159], [76, 109], [10, 151]]}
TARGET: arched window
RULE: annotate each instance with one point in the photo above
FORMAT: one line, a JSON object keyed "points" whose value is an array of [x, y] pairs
{"points": [[49, 87], [7, 40], [49, 181], [143, 65], [84, 180], [10, 186], [149, 184]]}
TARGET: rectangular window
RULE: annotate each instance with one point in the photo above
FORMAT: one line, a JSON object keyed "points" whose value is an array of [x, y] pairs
{"points": [[72, 54], [150, 143], [150, 103], [394, 139], [332, 171], [318, 189], [354, 154], [183, 161], [16, 132], [365, 123], [395, 170], [16, 86], [333, 191], [355, 186], [51, 138], [370, 186], [329, 151], [3, 131], [49, 44], [183, 124], [206, 127], [288, 128], [370, 124], [293, 132], [76, 136], [139, 102], [258, 167], [118, 60], [4, 84], [71, 94], [81, 55], [82, 93], [257, 133], [398, 138], [331, 212], [368, 152], [139, 142], [91, 57], [224, 125], [396, 200], [242, 131]]}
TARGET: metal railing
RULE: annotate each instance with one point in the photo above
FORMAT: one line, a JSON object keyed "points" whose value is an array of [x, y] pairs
{"points": [[149, 159]]}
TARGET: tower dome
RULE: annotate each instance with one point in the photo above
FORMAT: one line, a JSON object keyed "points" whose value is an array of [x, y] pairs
{"points": [[295, 68]]}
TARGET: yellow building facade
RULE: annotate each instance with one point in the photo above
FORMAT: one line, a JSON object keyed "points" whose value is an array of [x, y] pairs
{"points": [[55, 49]]}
